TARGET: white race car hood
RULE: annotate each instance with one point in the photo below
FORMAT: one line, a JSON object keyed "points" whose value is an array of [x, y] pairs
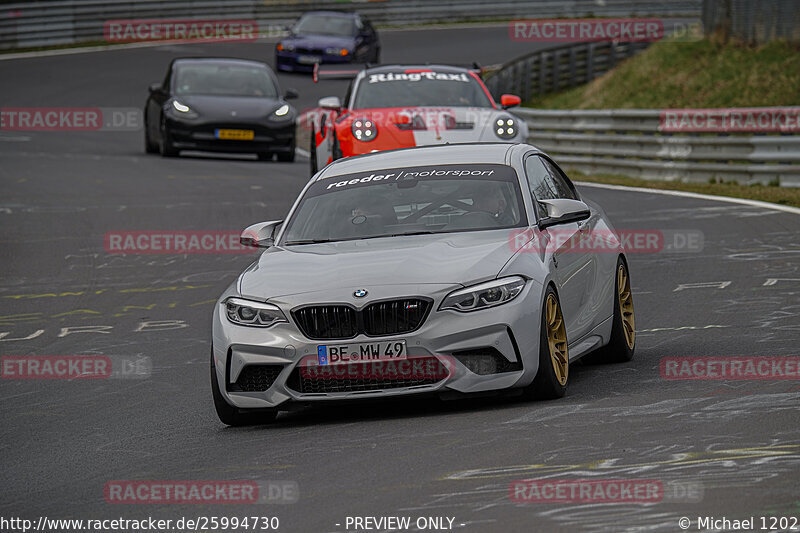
{"points": [[449, 258]]}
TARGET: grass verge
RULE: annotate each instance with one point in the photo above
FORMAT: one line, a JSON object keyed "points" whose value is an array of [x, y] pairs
{"points": [[777, 195], [703, 73]]}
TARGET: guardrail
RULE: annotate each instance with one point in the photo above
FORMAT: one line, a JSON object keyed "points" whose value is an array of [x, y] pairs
{"points": [[632, 143], [558, 68], [58, 22]]}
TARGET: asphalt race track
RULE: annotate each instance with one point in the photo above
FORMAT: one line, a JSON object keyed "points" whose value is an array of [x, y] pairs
{"points": [[721, 448]]}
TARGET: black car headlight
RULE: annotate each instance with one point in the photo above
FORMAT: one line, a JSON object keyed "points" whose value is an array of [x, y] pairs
{"points": [[285, 47], [250, 313], [484, 295], [364, 129], [505, 127], [181, 110]]}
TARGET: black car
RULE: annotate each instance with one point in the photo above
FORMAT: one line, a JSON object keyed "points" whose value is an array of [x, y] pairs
{"points": [[220, 105], [327, 37]]}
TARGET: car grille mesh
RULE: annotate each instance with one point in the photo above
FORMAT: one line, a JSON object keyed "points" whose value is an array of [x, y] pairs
{"points": [[390, 317], [323, 380], [255, 378]]}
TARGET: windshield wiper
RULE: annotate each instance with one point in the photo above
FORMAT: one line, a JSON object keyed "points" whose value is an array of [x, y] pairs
{"points": [[423, 232], [307, 241]]}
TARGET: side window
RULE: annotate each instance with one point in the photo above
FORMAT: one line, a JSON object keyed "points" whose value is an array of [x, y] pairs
{"points": [[540, 183], [560, 182]]}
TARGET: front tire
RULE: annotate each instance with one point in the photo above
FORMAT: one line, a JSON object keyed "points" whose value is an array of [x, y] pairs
{"points": [[233, 416], [550, 382], [149, 146], [623, 330], [165, 146]]}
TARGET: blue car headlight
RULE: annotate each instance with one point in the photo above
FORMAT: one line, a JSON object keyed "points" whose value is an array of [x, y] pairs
{"points": [[484, 295], [251, 313]]}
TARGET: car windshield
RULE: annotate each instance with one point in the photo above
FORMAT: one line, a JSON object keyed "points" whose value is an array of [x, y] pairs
{"points": [[407, 201], [420, 88], [325, 25], [224, 80]]}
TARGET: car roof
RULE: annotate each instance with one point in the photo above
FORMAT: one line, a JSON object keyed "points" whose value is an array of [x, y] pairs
{"points": [[435, 154], [219, 60], [403, 68], [326, 12]]}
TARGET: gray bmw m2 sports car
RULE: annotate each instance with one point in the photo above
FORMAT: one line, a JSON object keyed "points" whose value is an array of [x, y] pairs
{"points": [[458, 268]]}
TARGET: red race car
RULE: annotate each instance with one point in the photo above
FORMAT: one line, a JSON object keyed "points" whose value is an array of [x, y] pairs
{"points": [[399, 106]]}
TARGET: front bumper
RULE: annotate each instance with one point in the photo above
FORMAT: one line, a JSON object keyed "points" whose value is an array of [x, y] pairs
{"points": [[290, 61], [510, 330], [200, 135]]}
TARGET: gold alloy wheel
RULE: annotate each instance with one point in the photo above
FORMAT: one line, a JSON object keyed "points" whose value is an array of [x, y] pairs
{"points": [[557, 339], [626, 306]]}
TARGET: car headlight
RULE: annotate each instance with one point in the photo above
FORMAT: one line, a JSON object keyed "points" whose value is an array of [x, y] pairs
{"points": [[183, 110], [489, 294], [337, 52], [281, 111], [364, 129], [505, 127], [285, 47], [251, 313]]}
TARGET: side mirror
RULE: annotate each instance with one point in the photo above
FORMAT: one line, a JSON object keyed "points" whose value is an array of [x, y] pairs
{"points": [[261, 235], [563, 211], [155, 88], [510, 100], [291, 94], [330, 102]]}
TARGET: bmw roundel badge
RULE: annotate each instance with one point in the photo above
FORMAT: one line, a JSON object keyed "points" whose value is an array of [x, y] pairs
{"points": [[360, 293]]}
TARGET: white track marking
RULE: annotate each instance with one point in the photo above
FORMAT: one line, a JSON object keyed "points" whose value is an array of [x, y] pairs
{"points": [[744, 201]]}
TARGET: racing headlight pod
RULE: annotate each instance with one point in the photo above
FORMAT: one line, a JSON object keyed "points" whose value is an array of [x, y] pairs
{"points": [[489, 294], [364, 129], [505, 127], [251, 313]]}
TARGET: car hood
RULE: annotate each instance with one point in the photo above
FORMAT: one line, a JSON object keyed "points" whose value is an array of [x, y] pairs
{"points": [[448, 258], [317, 41], [230, 107], [442, 124]]}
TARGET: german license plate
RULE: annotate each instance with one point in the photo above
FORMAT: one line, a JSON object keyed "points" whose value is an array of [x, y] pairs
{"points": [[359, 352], [308, 60], [235, 135]]}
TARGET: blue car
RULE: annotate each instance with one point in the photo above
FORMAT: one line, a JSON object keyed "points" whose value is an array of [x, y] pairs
{"points": [[327, 37]]}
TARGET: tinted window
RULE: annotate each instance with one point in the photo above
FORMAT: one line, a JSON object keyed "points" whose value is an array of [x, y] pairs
{"points": [[434, 199], [325, 25], [546, 182], [426, 88], [224, 80]]}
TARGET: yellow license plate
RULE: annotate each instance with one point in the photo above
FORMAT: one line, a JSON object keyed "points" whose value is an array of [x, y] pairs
{"points": [[235, 135]]}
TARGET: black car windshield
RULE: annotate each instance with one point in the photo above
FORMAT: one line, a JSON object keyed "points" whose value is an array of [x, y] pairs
{"points": [[407, 201], [325, 25], [224, 80], [420, 88]]}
